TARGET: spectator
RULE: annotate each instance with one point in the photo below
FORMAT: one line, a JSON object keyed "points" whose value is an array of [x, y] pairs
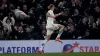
{"points": [[93, 31], [20, 14], [70, 21], [38, 12], [32, 17], [28, 32], [71, 31], [82, 27], [25, 10], [3, 8], [96, 13], [4, 4], [90, 21], [1, 31], [76, 16], [8, 22], [98, 26], [98, 22], [21, 34], [14, 32], [86, 35], [43, 28]]}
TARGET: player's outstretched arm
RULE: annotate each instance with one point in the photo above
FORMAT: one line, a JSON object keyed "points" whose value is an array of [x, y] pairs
{"points": [[56, 15]]}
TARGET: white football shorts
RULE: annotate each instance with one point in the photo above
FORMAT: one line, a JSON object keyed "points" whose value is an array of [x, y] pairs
{"points": [[51, 27]]}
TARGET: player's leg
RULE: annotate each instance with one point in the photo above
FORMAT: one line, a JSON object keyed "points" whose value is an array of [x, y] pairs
{"points": [[61, 28], [47, 38], [43, 44]]}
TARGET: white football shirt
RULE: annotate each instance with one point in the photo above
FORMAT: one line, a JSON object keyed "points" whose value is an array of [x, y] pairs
{"points": [[50, 20]]}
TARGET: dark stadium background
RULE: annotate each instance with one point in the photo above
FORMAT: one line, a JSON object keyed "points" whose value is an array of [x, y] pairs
{"points": [[81, 19]]}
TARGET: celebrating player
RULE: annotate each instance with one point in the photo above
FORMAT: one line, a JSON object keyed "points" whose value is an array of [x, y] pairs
{"points": [[51, 26]]}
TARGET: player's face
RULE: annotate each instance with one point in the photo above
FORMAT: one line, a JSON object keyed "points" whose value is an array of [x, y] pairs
{"points": [[53, 7]]}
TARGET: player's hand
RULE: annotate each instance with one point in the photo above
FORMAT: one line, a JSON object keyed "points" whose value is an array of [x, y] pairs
{"points": [[61, 13]]}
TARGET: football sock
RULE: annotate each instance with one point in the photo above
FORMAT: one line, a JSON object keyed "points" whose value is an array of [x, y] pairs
{"points": [[60, 32], [43, 44]]}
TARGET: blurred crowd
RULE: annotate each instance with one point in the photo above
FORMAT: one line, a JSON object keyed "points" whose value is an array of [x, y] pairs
{"points": [[26, 20]]}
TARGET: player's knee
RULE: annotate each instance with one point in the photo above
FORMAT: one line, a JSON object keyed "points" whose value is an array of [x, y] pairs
{"points": [[48, 38], [62, 27]]}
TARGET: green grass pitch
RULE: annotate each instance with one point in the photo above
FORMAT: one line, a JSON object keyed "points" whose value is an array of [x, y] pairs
{"points": [[55, 54]]}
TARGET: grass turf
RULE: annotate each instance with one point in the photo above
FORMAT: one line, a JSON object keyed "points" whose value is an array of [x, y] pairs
{"points": [[54, 54]]}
